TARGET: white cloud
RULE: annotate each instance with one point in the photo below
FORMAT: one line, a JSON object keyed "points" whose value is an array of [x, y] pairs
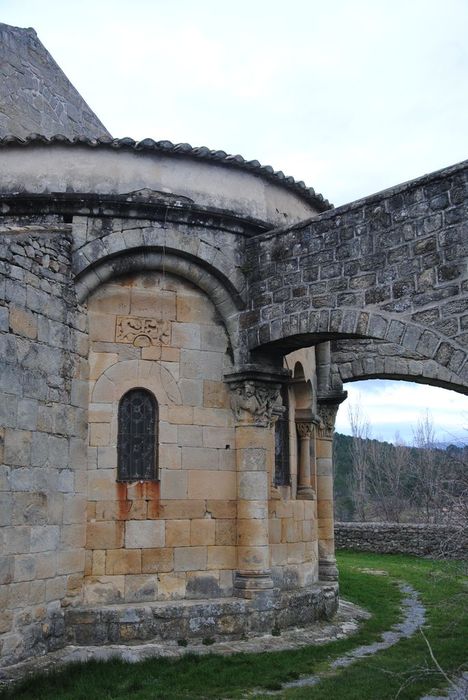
{"points": [[398, 406]]}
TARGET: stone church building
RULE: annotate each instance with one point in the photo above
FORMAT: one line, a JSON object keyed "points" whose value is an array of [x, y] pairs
{"points": [[176, 325]]}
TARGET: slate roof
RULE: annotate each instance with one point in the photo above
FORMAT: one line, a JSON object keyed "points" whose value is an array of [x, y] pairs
{"points": [[178, 150]]}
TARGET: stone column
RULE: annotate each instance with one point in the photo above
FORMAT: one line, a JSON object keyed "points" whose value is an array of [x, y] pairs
{"points": [[327, 408], [255, 400], [305, 425]]}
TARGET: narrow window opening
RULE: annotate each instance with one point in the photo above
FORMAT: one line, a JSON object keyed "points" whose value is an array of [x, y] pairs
{"points": [[282, 470], [137, 441]]}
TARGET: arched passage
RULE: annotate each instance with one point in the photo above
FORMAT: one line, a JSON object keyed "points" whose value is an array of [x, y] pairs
{"points": [[390, 267], [354, 360]]}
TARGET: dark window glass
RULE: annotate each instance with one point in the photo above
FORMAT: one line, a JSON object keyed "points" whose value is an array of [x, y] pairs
{"points": [[282, 473], [137, 436]]}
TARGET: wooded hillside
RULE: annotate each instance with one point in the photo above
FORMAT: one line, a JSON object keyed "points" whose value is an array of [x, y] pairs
{"points": [[377, 480]]}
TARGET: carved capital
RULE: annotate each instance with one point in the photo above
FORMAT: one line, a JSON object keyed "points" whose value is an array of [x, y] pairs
{"points": [[255, 403], [305, 430], [327, 409], [327, 421]]}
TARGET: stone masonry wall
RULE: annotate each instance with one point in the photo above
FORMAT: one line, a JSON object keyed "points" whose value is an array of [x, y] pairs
{"points": [[43, 350], [402, 538], [391, 267]]}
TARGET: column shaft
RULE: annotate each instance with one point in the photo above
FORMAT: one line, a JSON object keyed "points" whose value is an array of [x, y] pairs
{"points": [[328, 408], [304, 488], [253, 552], [255, 401]]}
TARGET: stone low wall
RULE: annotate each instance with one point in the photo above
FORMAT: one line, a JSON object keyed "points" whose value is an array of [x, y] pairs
{"points": [[220, 619], [399, 538]]}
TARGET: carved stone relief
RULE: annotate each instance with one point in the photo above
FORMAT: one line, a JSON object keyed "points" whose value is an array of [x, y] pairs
{"points": [[142, 332], [255, 403]]}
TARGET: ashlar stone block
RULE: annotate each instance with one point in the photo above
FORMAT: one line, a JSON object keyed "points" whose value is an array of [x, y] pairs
{"points": [[110, 299], [17, 449], [211, 484], [199, 458], [144, 534], [211, 416], [104, 590], [24, 568], [23, 322], [180, 509], [195, 308], [147, 304], [174, 484], [171, 586], [159, 559], [190, 558], [140, 588], [225, 533], [202, 532], [253, 486], [98, 566], [198, 364], [123, 561], [45, 538], [105, 535], [189, 436], [186, 335], [218, 437], [177, 533], [215, 394], [222, 557]]}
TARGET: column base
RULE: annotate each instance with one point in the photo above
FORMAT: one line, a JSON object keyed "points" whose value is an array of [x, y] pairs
{"points": [[306, 493], [250, 585], [328, 570]]}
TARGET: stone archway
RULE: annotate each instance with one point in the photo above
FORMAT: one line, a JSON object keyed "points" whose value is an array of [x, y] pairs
{"points": [[354, 360], [391, 267]]}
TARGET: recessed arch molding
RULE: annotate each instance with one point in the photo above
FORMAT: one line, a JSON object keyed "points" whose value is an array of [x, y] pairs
{"points": [[130, 261]]}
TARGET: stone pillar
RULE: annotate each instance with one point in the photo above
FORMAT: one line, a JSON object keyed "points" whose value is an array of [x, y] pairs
{"points": [[255, 400], [322, 364], [305, 425], [327, 408]]}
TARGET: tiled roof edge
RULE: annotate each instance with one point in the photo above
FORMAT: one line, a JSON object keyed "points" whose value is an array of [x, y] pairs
{"points": [[179, 149]]}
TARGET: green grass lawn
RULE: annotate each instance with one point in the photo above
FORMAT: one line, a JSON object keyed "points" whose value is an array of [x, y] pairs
{"points": [[405, 668]]}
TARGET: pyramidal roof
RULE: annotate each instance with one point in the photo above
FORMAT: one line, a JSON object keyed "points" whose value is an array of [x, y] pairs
{"points": [[36, 95]]}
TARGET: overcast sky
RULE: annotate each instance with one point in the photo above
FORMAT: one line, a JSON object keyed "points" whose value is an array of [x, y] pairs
{"points": [[351, 96]]}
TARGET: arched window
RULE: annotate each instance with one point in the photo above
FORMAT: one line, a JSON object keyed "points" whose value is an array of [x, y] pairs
{"points": [[137, 456], [282, 471]]}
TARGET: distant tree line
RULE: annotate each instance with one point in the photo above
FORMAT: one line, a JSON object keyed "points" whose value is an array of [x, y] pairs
{"points": [[380, 481]]}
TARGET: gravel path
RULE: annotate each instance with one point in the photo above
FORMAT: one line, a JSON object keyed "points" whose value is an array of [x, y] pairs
{"points": [[414, 617]]}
